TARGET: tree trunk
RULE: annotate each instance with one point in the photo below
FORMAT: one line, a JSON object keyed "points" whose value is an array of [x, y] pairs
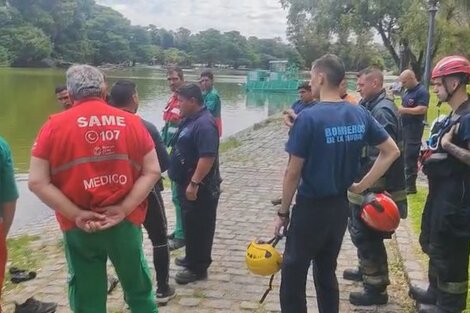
{"points": [[388, 45]]}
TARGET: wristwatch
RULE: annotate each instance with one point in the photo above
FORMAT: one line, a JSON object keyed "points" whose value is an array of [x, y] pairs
{"points": [[283, 215], [194, 184]]}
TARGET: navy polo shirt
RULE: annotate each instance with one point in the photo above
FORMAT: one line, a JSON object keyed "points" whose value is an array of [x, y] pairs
{"points": [[197, 138], [330, 137], [298, 106], [411, 99]]}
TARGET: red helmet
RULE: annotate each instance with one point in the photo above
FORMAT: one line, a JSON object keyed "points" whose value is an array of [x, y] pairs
{"points": [[453, 64], [380, 212]]}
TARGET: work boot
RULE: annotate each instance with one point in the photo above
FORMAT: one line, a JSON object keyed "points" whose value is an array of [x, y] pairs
{"points": [[175, 244], [165, 295], [367, 297], [426, 296], [187, 276], [34, 306], [430, 309], [181, 261], [353, 274]]}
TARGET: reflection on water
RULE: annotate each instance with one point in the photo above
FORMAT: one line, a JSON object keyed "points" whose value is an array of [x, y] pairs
{"points": [[28, 99]]}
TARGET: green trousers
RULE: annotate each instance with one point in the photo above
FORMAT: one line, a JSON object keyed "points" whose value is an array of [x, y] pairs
{"points": [[87, 254], [179, 232]]}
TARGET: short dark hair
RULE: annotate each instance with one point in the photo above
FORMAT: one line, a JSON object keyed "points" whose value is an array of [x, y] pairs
{"points": [[305, 86], [208, 74], [177, 70], [60, 88], [372, 70], [190, 91], [369, 70], [333, 67], [121, 93]]}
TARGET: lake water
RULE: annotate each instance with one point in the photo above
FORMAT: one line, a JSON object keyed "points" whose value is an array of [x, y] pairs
{"points": [[27, 99]]}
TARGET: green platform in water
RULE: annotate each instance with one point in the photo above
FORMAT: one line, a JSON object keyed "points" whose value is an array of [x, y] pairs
{"points": [[280, 78]]}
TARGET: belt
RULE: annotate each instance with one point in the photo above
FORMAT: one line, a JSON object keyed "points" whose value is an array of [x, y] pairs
{"points": [[358, 199]]}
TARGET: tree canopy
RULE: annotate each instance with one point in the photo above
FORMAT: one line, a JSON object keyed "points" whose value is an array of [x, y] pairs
{"points": [[347, 27], [83, 31]]}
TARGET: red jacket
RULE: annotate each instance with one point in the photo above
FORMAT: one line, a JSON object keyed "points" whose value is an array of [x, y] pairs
{"points": [[95, 153], [172, 112]]}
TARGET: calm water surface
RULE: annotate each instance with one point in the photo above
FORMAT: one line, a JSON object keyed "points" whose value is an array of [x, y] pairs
{"points": [[28, 99]]}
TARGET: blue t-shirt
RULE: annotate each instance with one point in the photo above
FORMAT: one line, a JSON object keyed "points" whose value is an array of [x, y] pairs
{"points": [[198, 137], [411, 99], [298, 105], [330, 137]]}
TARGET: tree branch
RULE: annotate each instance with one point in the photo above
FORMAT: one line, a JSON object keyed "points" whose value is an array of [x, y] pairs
{"points": [[388, 44]]}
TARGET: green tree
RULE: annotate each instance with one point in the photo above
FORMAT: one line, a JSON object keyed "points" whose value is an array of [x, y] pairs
{"points": [[235, 49], [206, 47], [182, 39], [4, 57], [174, 56], [148, 54], [109, 33], [25, 44], [396, 22]]}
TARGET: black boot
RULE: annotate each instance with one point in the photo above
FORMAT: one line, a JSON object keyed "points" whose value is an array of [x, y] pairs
{"points": [[186, 276], [425, 296], [368, 297], [161, 261], [353, 274], [181, 261]]}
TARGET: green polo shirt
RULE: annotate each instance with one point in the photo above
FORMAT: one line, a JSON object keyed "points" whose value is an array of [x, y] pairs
{"points": [[212, 102], [8, 190]]}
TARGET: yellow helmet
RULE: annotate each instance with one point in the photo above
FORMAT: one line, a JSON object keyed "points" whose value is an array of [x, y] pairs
{"points": [[262, 258]]}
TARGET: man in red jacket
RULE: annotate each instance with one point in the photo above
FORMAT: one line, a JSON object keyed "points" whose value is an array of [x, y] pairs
{"points": [[95, 165], [172, 117]]}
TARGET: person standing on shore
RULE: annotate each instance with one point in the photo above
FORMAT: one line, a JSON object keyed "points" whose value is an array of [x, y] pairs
{"points": [[124, 96], [194, 166], [62, 96], [95, 166], [8, 198], [172, 118], [211, 98], [328, 136]]}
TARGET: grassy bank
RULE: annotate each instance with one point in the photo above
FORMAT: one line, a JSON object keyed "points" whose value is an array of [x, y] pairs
{"points": [[20, 256]]}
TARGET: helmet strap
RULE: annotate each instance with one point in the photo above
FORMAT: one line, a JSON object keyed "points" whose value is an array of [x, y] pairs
{"points": [[270, 287], [450, 94]]}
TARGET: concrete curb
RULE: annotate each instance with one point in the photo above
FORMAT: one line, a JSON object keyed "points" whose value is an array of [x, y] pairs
{"points": [[408, 248]]}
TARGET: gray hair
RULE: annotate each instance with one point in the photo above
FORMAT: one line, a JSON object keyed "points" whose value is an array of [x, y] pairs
{"points": [[84, 81]]}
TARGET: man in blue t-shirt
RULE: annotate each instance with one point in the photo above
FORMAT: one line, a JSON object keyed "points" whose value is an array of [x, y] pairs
{"points": [[415, 103], [306, 100], [325, 145]]}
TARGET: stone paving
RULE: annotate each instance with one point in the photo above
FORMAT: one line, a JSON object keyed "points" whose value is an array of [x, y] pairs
{"points": [[252, 176]]}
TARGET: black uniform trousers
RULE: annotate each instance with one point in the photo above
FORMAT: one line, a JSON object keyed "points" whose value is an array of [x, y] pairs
{"points": [[445, 239], [412, 135], [314, 236], [156, 225], [199, 219], [371, 252]]}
